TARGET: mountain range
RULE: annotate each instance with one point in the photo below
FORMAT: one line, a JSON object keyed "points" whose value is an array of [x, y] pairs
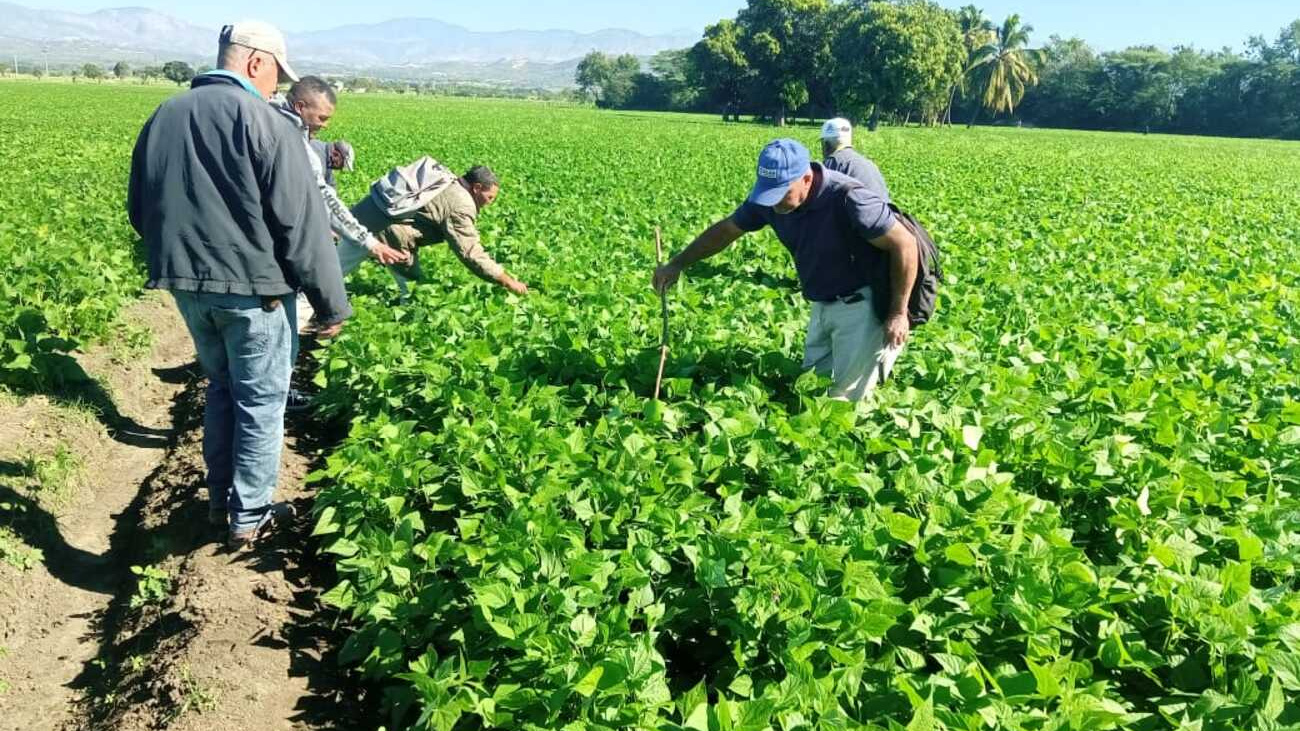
{"points": [[404, 47]]}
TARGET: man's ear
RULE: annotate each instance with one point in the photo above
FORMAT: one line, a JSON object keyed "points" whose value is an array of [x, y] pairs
{"points": [[254, 64]]}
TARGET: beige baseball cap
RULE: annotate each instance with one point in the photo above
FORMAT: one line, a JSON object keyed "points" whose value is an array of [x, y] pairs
{"points": [[262, 37]]}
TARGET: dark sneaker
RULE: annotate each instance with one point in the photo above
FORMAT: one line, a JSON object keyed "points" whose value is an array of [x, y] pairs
{"points": [[277, 514], [298, 402]]}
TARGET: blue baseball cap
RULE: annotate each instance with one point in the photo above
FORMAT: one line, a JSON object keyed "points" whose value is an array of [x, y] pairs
{"points": [[781, 163]]}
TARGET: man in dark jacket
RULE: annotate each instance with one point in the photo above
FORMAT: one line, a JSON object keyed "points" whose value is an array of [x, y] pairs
{"points": [[222, 194]]}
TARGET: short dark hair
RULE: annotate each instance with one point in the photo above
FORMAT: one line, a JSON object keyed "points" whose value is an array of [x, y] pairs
{"points": [[308, 88], [482, 175]]}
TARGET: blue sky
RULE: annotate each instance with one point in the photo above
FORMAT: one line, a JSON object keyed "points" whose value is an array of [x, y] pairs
{"points": [[1107, 24]]}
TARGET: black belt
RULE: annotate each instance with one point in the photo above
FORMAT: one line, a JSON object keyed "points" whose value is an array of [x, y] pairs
{"points": [[849, 299]]}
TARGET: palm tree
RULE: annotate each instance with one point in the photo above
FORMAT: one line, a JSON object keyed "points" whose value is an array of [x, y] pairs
{"points": [[976, 32], [1004, 68]]}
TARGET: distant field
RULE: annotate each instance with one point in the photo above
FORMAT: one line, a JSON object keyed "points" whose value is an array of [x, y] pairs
{"points": [[1076, 507]]}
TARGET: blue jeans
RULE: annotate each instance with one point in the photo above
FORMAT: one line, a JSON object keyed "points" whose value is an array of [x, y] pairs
{"points": [[245, 353]]}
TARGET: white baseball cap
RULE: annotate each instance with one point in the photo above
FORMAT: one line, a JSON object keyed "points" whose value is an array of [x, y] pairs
{"points": [[262, 37], [838, 130]]}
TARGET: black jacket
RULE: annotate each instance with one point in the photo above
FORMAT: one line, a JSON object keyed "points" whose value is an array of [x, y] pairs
{"points": [[225, 199]]}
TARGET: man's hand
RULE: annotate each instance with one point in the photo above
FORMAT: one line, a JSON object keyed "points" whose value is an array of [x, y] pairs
{"points": [[666, 276], [897, 329], [389, 256], [512, 284], [325, 332]]}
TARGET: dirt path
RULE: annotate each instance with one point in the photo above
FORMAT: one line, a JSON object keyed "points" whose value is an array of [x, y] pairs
{"points": [[227, 642]]}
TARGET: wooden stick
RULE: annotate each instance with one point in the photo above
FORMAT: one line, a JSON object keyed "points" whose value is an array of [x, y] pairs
{"points": [[663, 308]]}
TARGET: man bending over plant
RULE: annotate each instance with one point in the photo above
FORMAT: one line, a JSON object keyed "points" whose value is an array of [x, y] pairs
{"points": [[425, 203], [847, 246]]}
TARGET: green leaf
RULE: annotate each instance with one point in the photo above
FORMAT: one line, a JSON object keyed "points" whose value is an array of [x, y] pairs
{"points": [[1290, 637], [960, 554], [400, 574], [493, 596], [584, 629], [1048, 682], [341, 596], [1275, 704], [1079, 573], [902, 527], [755, 715], [1249, 547], [326, 523], [699, 718], [589, 682], [1286, 668], [923, 717], [343, 547]]}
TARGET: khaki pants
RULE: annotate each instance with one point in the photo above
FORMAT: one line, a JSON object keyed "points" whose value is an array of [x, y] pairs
{"points": [[847, 343]]}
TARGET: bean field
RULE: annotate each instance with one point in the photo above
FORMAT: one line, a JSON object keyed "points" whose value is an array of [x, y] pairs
{"points": [[1075, 506]]}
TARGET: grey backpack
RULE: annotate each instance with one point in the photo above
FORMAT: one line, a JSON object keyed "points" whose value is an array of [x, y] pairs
{"points": [[406, 189]]}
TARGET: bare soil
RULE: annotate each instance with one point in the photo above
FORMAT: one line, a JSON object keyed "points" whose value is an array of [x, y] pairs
{"points": [[237, 642]]}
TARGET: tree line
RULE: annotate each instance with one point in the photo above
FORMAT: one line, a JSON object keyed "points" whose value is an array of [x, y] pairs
{"points": [[901, 61], [177, 72], [1186, 90]]}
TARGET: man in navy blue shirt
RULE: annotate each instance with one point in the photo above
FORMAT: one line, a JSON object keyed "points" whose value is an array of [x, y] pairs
{"points": [[846, 244]]}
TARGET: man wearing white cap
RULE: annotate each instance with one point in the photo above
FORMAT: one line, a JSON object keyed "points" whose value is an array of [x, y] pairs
{"points": [[310, 105], [256, 51], [222, 193], [839, 155]]}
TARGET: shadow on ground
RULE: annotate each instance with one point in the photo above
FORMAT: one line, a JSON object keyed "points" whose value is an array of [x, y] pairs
{"points": [[63, 380], [314, 636], [14, 469], [38, 528], [168, 518]]}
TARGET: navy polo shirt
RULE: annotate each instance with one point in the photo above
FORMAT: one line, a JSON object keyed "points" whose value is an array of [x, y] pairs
{"points": [[829, 235]]}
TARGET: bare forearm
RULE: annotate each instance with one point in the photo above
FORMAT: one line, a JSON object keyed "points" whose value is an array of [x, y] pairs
{"points": [[902, 273], [716, 238]]}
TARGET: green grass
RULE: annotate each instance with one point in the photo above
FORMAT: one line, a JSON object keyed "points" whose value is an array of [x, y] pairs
{"points": [[40, 479], [71, 265], [1074, 508], [53, 474], [15, 552]]}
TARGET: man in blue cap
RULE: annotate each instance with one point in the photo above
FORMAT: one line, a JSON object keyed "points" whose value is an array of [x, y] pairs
{"points": [[855, 260]]}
